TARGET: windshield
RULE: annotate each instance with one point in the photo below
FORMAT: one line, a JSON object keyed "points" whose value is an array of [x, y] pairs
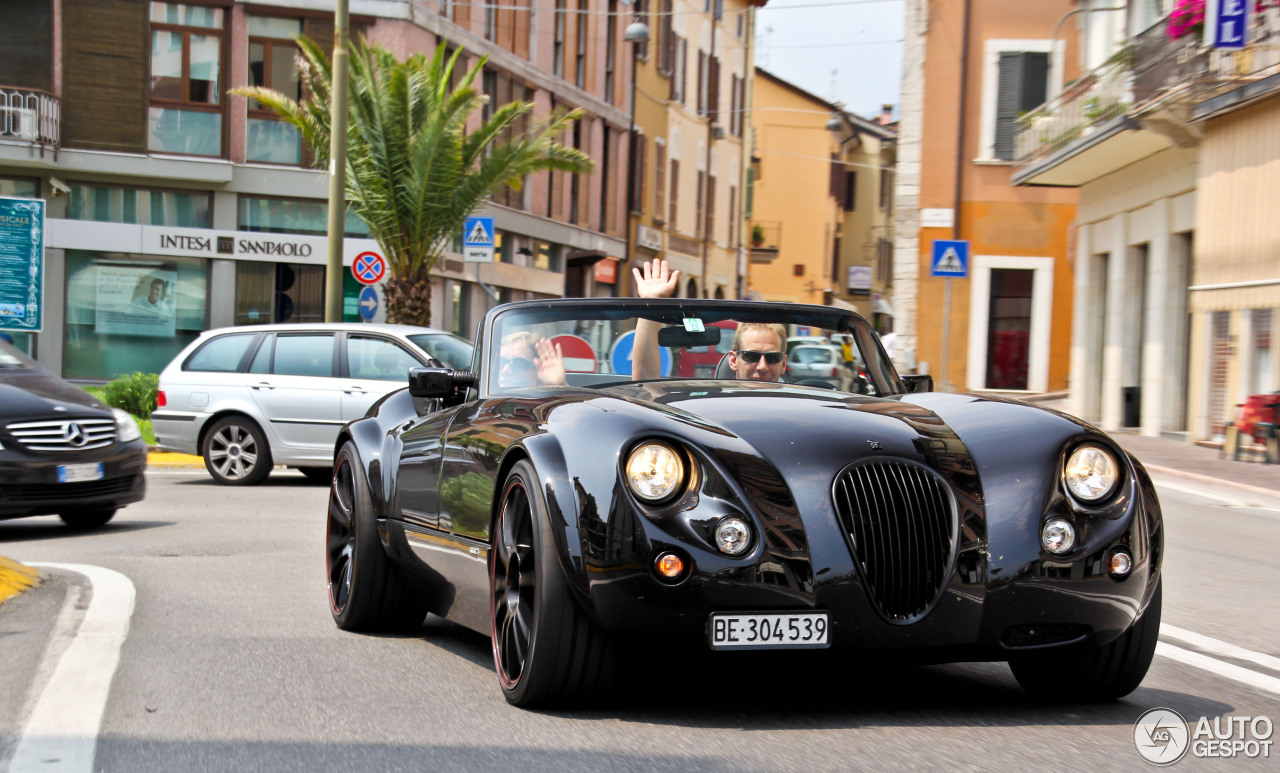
{"points": [[447, 348], [589, 344]]}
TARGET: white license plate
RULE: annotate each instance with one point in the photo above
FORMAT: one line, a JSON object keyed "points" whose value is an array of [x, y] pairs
{"points": [[803, 630], [75, 473]]}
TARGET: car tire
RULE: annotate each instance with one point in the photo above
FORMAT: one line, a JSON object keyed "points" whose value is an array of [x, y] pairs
{"points": [[546, 651], [88, 518], [1096, 674], [366, 592], [318, 474], [236, 452]]}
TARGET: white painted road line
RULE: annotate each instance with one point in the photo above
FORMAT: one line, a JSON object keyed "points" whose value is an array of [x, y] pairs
{"points": [[62, 732], [1268, 511], [1214, 666], [1225, 649]]}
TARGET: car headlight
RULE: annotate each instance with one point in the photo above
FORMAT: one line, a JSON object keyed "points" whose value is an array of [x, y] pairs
{"points": [[654, 471], [1091, 473], [126, 426]]}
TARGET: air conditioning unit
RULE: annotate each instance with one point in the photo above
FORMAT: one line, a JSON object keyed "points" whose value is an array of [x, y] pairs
{"points": [[717, 132], [19, 122]]}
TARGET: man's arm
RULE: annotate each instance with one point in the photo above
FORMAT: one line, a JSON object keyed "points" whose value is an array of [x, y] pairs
{"points": [[657, 281]]}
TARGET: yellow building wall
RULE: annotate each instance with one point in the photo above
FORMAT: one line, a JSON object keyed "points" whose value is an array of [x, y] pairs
{"points": [[793, 190]]}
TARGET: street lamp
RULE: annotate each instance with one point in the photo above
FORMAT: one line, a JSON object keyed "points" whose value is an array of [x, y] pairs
{"points": [[637, 34]]}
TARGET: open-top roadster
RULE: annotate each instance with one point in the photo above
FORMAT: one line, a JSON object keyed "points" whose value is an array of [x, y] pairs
{"points": [[563, 511]]}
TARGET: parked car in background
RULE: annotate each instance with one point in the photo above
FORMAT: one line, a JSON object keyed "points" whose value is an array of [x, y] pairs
{"points": [[248, 398], [61, 450], [808, 362], [794, 341]]}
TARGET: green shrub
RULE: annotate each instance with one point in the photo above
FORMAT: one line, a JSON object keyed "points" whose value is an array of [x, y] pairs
{"points": [[134, 393]]}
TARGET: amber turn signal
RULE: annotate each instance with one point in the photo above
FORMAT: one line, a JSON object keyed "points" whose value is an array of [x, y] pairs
{"points": [[670, 565]]}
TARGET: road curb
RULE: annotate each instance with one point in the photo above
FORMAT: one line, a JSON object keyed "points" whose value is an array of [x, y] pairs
{"points": [[16, 578], [1198, 478], [156, 458]]}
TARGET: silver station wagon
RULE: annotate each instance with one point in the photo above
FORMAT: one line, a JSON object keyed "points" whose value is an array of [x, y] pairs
{"points": [[248, 398]]}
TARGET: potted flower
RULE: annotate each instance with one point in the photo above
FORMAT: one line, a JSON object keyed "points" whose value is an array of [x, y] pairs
{"points": [[1187, 18], [757, 235]]}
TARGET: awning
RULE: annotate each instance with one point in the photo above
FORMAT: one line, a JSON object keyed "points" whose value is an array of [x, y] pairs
{"points": [[839, 304], [881, 306]]}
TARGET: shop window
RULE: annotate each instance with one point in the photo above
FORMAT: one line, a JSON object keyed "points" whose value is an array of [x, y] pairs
{"points": [[20, 188], [293, 216], [272, 55], [130, 314], [186, 80], [108, 204]]}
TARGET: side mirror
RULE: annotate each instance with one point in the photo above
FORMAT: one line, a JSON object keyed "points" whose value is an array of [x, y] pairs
{"points": [[438, 382], [918, 383]]}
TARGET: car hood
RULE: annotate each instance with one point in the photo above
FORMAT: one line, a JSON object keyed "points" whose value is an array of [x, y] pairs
{"points": [[29, 394]]}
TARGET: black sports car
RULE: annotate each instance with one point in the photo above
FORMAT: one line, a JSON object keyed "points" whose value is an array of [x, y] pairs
{"points": [[61, 450], [564, 510]]}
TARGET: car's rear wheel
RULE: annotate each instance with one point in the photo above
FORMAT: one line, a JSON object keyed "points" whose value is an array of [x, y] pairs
{"points": [[366, 592], [545, 648], [1098, 673], [318, 474], [236, 452], [88, 518]]}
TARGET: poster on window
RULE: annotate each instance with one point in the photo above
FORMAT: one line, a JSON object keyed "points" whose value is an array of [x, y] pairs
{"points": [[136, 300], [21, 263]]}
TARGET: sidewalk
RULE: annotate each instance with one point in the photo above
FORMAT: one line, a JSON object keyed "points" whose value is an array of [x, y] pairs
{"points": [[1185, 460]]}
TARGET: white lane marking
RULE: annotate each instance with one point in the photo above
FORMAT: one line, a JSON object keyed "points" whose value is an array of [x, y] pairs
{"points": [[1214, 666], [1217, 647], [1228, 501], [62, 731]]}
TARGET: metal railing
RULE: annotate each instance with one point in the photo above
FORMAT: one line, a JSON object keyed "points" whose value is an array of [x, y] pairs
{"points": [[1227, 69], [1090, 102], [30, 116]]}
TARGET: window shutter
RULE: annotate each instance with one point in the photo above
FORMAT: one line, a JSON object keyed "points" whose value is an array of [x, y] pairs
{"points": [[1023, 80]]}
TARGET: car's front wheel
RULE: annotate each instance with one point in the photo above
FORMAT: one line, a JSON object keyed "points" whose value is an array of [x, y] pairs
{"points": [[88, 518], [545, 648], [366, 593], [1098, 673], [236, 452]]}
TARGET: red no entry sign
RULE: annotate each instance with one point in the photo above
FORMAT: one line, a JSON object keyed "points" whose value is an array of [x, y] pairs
{"points": [[368, 268], [579, 357]]}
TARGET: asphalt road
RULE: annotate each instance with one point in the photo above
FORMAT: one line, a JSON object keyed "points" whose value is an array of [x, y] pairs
{"points": [[231, 662]]}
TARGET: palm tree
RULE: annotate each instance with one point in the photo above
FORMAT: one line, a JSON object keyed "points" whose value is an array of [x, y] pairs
{"points": [[414, 173]]}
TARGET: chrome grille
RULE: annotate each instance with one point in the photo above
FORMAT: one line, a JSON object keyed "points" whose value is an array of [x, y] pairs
{"points": [[901, 520], [64, 435]]}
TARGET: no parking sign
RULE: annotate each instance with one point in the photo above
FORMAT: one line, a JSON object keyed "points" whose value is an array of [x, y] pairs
{"points": [[368, 268]]}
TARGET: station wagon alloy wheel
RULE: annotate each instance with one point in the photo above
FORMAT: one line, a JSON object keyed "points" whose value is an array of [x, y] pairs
{"points": [[236, 453]]}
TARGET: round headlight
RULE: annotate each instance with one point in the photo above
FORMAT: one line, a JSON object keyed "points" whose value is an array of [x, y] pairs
{"points": [[733, 536], [1091, 473], [654, 471]]}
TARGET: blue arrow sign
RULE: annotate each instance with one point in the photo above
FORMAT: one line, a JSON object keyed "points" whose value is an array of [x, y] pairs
{"points": [[368, 303], [950, 258], [620, 355], [478, 232]]}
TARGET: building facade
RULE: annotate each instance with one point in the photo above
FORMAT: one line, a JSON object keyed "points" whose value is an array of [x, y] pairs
{"points": [[117, 114], [862, 271], [970, 71], [1170, 141], [693, 86]]}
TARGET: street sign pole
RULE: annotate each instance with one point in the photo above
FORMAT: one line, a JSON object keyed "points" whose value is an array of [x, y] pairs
{"points": [[337, 166], [950, 259], [946, 333]]}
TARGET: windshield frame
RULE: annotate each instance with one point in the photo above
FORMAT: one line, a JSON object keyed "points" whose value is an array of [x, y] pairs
{"points": [[878, 366]]}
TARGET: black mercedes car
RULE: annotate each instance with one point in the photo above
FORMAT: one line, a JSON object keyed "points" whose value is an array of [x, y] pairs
{"points": [[561, 505], [61, 450]]}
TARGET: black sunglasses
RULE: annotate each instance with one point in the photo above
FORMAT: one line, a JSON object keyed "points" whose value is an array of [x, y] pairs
{"points": [[751, 357], [517, 364]]}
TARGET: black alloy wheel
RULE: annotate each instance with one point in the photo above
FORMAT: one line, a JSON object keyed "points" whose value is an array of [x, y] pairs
{"points": [[366, 592], [546, 650], [236, 452]]}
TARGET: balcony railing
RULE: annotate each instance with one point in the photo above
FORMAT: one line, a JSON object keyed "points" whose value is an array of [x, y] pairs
{"points": [[1149, 71], [766, 240], [30, 116]]}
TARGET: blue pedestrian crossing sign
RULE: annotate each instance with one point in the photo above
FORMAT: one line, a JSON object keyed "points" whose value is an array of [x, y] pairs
{"points": [[950, 257], [368, 303], [477, 240]]}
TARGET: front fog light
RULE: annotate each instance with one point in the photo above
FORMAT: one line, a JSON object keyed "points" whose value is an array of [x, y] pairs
{"points": [[733, 536], [1121, 563], [1058, 536]]}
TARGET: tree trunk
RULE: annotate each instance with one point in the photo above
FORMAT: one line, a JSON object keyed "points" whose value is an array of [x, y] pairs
{"points": [[409, 301]]}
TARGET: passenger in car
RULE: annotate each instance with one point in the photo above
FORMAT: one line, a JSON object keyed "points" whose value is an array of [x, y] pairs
{"points": [[525, 360]]}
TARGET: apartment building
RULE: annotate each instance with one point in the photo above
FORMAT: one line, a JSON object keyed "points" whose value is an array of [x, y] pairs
{"points": [[117, 114], [971, 69], [862, 184], [691, 130]]}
